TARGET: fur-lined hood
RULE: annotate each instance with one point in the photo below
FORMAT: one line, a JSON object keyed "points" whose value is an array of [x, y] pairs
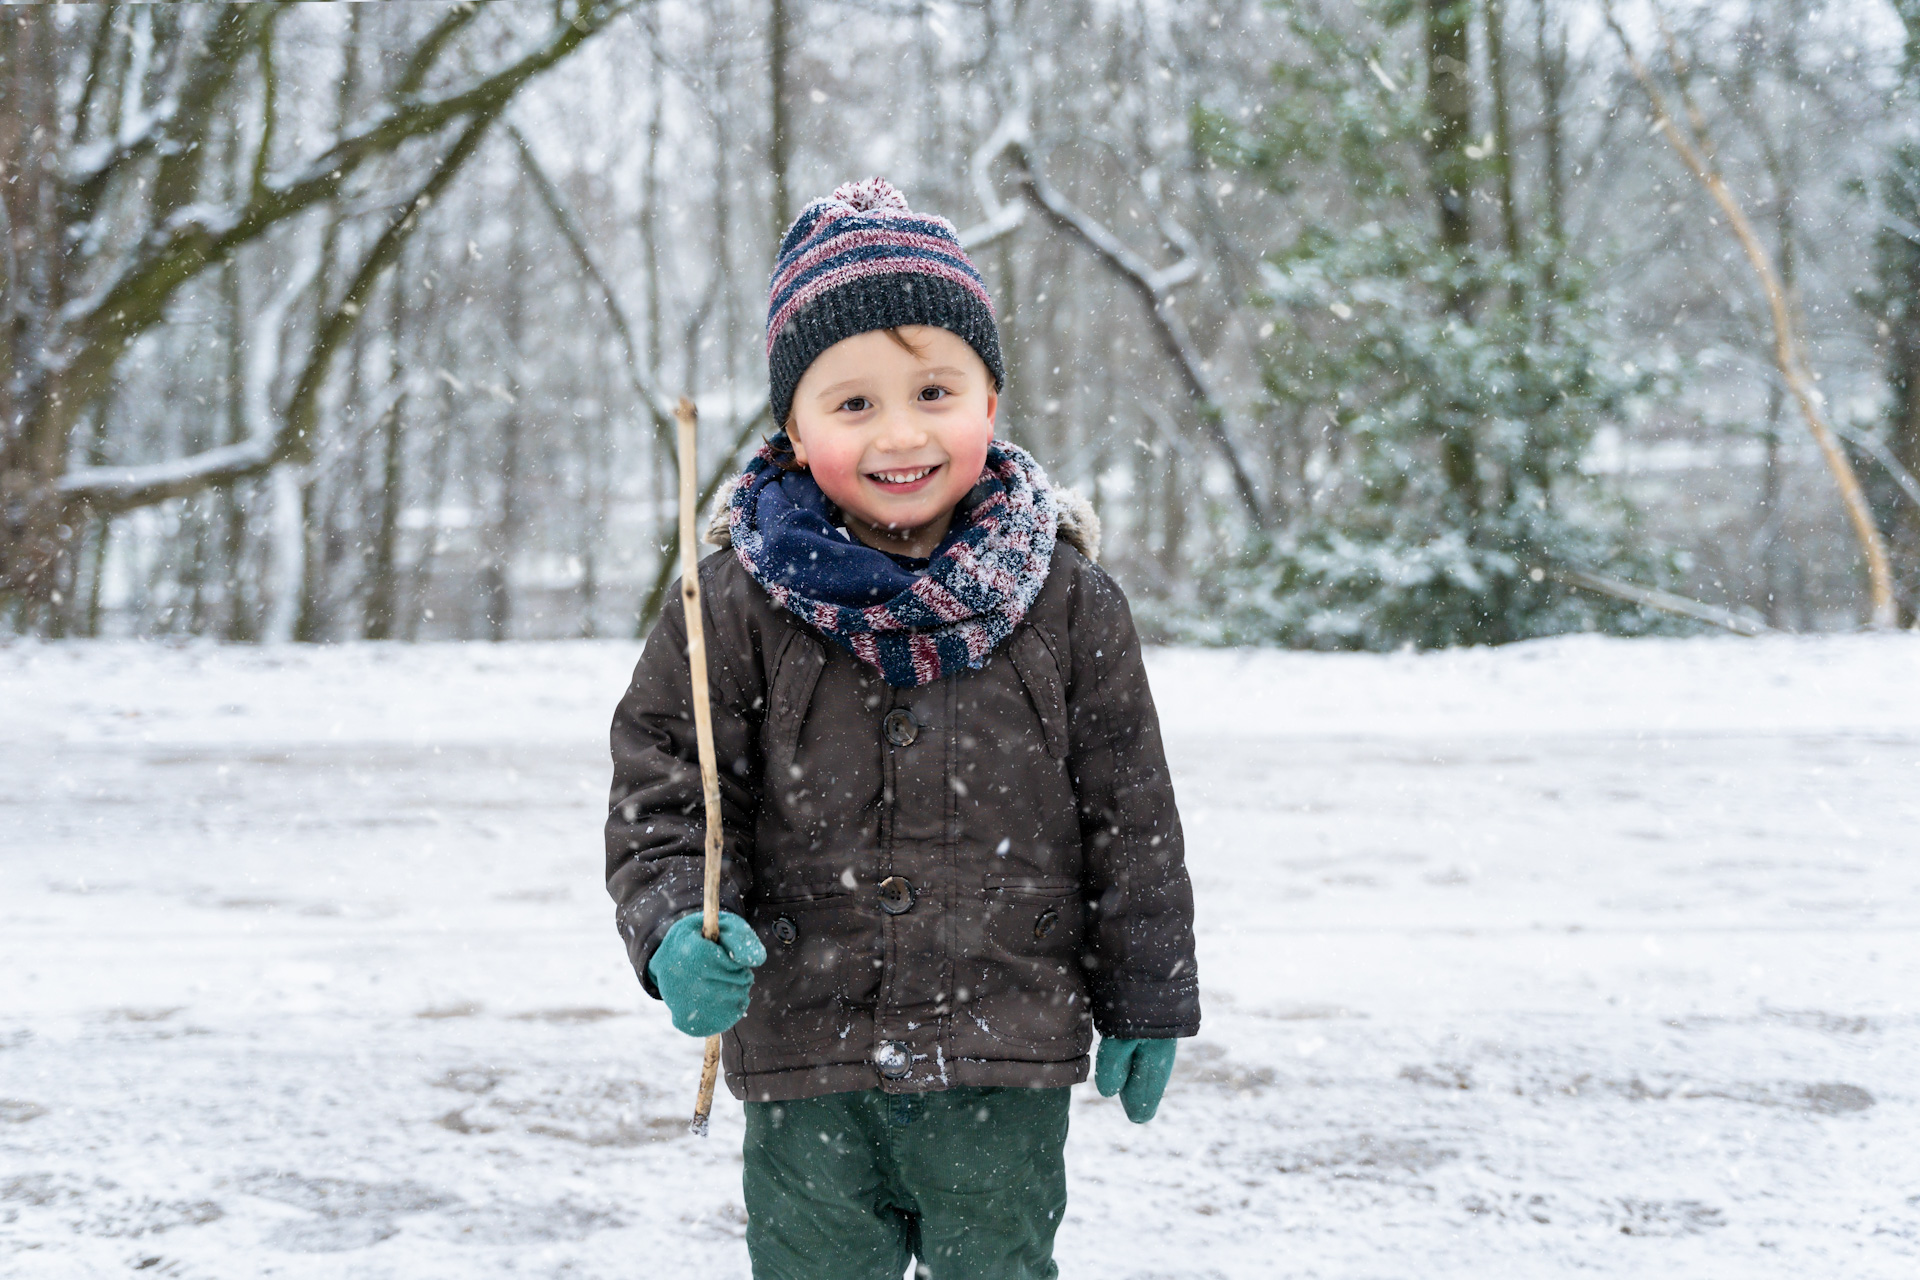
{"points": [[1079, 523]]}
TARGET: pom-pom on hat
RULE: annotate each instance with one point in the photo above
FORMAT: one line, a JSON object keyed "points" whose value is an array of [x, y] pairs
{"points": [[861, 260]]}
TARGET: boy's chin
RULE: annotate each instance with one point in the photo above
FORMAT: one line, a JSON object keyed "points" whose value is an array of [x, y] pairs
{"points": [[897, 524], [907, 512]]}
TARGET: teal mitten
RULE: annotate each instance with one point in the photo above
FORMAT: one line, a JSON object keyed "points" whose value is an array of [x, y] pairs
{"points": [[1137, 1070], [706, 984]]}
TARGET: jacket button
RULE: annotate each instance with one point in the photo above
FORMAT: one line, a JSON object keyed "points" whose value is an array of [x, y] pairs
{"points": [[1041, 927], [896, 895], [901, 727], [784, 931], [892, 1058]]}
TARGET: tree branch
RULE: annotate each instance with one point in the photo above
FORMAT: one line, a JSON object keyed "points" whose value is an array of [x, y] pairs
{"points": [[98, 49], [1152, 283], [198, 236], [428, 51], [112, 490], [1696, 153], [1876, 448], [1665, 601], [1901, 227], [182, 150], [340, 323], [269, 113], [659, 408], [1155, 286], [1002, 217]]}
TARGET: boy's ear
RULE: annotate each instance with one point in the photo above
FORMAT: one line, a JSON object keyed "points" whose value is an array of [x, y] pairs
{"points": [[993, 404], [799, 445]]}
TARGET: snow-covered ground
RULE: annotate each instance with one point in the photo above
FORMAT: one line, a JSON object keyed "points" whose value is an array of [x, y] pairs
{"points": [[1580, 956]]}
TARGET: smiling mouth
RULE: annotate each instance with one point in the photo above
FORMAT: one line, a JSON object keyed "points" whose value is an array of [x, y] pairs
{"points": [[906, 478]]}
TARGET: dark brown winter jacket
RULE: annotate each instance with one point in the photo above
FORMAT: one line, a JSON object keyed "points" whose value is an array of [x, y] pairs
{"points": [[955, 883]]}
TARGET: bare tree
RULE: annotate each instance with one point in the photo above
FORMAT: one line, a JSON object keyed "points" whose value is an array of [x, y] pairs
{"points": [[1694, 145], [111, 221]]}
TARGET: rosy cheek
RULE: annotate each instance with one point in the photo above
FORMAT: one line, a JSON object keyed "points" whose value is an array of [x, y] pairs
{"points": [[970, 457], [836, 472]]}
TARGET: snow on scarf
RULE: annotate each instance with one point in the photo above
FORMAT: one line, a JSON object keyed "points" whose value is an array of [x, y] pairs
{"points": [[913, 628]]}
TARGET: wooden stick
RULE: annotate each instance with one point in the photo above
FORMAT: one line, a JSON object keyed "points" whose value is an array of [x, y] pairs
{"points": [[688, 419]]}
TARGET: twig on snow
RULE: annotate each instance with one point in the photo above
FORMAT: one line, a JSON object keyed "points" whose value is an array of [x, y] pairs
{"points": [[1665, 601]]}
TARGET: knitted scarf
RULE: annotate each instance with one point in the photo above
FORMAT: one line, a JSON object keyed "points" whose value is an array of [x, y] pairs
{"points": [[913, 628]]}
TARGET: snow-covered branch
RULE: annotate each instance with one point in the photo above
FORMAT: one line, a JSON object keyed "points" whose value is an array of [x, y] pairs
{"points": [[1153, 283], [1003, 217], [1900, 227], [191, 238], [194, 235], [88, 167], [172, 129], [272, 437], [1664, 601], [109, 490], [1155, 286]]}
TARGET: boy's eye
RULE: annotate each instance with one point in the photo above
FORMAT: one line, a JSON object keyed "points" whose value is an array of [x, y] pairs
{"points": [[934, 393], [856, 404]]}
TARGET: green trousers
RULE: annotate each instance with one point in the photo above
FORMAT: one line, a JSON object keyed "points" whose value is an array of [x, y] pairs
{"points": [[853, 1186]]}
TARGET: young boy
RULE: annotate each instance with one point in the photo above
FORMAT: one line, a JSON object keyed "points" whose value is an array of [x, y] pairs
{"points": [[952, 851]]}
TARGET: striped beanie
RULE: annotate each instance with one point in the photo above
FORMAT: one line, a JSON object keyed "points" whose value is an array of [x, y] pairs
{"points": [[861, 260]]}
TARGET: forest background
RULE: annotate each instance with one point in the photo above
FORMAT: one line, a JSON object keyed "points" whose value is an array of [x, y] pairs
{"points": [[1362, 324]]}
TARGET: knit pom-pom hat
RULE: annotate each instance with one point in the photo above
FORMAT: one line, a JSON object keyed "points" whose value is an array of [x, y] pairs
{"points": [[861, 260]]}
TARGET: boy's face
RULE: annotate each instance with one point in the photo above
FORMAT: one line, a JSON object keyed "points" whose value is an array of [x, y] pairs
{"points": [[895, 438]]}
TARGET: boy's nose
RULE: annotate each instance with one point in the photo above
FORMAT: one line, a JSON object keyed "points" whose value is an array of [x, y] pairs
{"points": [[901, 432]]}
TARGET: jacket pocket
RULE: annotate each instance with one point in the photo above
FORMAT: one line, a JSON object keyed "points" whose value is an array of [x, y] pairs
{"points": [[1041, 675], [1027, 885], [1031, 919], [810, 889], [819, 971], [1020, 989]]}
